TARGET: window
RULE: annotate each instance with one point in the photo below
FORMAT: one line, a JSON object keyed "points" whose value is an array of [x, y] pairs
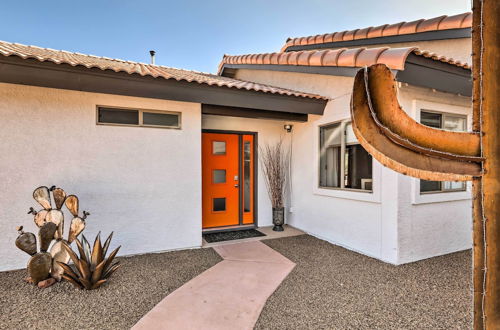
{"points": [[218, 147], [136, 117], [219, 176], [344, 163], [447, 122], [219, 204]]}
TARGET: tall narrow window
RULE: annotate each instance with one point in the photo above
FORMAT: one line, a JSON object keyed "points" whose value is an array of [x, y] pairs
{"points": [[246, 175], [344, 163], [448, 122]]}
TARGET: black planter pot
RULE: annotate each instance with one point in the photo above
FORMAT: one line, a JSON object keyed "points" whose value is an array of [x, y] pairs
{"points": [[278, 218]]}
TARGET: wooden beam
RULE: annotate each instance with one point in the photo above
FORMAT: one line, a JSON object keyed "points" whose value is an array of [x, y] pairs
{"points": [[218, 110]]}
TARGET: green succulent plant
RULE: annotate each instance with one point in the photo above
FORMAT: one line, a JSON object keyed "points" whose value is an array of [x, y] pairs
{"points": [[91, 269]]}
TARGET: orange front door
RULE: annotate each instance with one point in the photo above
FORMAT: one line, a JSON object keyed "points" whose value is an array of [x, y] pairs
{"points": [[227, 175]]}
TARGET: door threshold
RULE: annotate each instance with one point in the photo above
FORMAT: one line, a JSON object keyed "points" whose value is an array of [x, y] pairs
{"points": [[228, 228]]}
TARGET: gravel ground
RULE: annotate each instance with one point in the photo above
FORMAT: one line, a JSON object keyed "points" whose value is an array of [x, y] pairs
{"points": [[131, 292], [334, 288]]}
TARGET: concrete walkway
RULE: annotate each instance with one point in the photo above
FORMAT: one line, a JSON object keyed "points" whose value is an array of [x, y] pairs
{"points": [[229, 295]]}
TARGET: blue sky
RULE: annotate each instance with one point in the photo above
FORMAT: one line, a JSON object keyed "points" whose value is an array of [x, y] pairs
{"points": [[192, 34]]}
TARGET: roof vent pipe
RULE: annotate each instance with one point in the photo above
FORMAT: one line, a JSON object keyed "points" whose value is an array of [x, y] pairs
{"points": [[152, 53]]}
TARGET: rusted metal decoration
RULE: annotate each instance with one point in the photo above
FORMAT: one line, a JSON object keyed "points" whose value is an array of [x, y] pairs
{"points": [[91, 269], [77, 226], [72, 204], [42, 196], [46, 235], [26, 241], [50, 222], [403, 152], [59, 196], [402, 144], [39, 263]]}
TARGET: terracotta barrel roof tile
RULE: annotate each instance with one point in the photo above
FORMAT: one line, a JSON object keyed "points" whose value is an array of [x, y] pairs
{"points": [[275, 58], [362, 33], [467, 22], [348, 57], [318, 39], [349, 35], [292, 58], [60, 57], [339, 36], [392, 29], [369, 56], [266, 59], [376, 32], [450, 22], [430, 24], [303, 58], [395, 58], [331, 57], [316, 58], [410, 27], [423, 25]]}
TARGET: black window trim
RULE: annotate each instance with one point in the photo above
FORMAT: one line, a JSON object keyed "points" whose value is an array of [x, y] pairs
{"points": [[140, 111]]}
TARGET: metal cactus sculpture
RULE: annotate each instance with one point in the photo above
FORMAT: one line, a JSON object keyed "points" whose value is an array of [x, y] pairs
{"points": [[404, 145], [91, 269], [50, 221]]}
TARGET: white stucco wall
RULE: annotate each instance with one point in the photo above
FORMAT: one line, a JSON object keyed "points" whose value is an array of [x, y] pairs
{"points": [[142, 183], [394, 223], [437, 223], [269, 131], [356, 220]]}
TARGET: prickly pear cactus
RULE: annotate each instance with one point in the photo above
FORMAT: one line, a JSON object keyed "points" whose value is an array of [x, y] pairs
{"points": [[50, 221]]}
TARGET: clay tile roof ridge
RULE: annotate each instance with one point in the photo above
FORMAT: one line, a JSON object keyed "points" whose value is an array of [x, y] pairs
{"points": [[393, 57], [292, 41]]}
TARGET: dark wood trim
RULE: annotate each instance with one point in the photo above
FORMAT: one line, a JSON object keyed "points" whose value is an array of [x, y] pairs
{"points": [[228, 69], [429, 77], [218, 110], [422, 36], [222, 131], [438, 65], [32, 72]]}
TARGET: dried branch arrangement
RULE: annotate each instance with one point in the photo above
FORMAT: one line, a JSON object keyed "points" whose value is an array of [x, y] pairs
{"points": [[46, 266], [275, 165]]}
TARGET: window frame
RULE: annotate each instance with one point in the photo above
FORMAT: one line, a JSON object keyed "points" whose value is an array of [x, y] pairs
{"points": [[343, 144], [443, 118], [141, 116]]}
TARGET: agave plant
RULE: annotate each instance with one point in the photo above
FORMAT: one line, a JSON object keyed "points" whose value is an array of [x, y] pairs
{"points": [[91, 269]]}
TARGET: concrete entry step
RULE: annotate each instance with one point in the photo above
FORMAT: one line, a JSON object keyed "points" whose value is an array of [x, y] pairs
{"points": [[229, 295]]}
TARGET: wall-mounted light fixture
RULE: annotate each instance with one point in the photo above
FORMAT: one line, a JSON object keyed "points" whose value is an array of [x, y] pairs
{"points": [[288, 128]]}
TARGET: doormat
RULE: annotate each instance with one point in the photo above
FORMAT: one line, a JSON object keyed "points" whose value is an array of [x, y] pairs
{"points": [[231, 235]]}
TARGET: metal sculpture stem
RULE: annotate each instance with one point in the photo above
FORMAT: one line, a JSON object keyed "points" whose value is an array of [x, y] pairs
{"points": [[486, 110]]}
